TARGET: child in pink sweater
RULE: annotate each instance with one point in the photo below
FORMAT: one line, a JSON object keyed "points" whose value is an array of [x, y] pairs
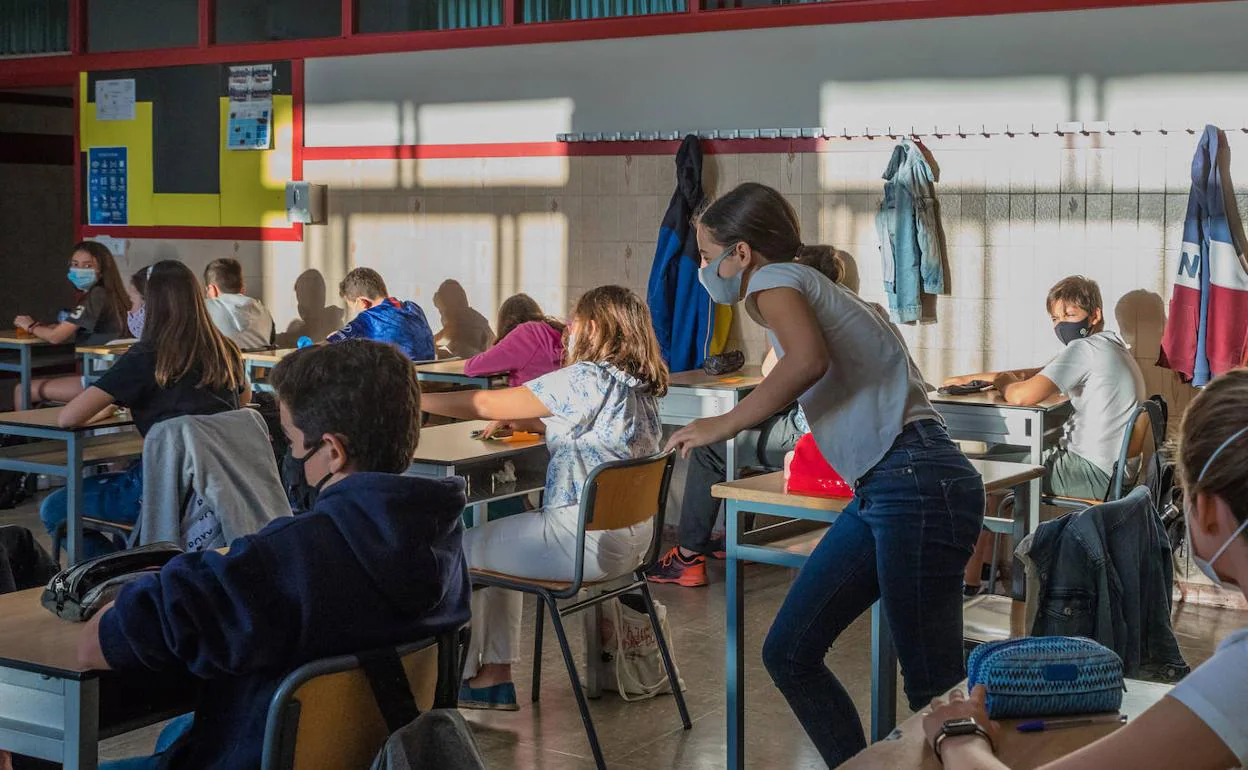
{"points": [[529, 345]]}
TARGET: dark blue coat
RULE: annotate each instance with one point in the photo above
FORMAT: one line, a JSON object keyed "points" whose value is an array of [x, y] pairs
{"points": [[378, 561], [402, 324]]}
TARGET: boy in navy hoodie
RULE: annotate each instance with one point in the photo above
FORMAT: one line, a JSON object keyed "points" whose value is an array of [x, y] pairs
{"points": [[377, 561], [383, 318]]}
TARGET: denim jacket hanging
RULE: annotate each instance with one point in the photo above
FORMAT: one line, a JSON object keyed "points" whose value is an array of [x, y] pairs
{"points": [[909, 234]]}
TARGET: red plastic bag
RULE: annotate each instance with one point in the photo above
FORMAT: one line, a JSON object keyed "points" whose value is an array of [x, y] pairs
{"points": [[809, 474]]}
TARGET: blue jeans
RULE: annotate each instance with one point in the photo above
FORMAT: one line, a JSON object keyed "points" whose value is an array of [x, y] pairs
{"points": [[176, 728], [110, 496], [904, 539]]}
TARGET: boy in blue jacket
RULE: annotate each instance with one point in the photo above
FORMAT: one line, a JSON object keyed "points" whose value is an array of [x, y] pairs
{"points": [[383, 318], [377, 561]]}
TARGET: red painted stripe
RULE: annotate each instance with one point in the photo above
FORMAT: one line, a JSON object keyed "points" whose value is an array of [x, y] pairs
{"points": [[207, 23], [293, 233], [562, 149], [57, 69], [296, 99], [36, 149]]}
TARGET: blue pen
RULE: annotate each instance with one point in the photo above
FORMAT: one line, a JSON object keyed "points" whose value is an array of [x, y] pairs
{"points": [[1040, 725]]}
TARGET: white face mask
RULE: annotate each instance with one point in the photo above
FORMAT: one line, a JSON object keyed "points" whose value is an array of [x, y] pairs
{"points": [[1207, 566]]}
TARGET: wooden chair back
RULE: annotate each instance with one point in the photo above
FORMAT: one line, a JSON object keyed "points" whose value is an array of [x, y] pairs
{"points": [[627, 493]]}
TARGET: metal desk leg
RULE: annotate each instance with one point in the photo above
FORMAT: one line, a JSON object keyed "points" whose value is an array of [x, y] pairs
{"points": [[82, 715], [735, 640], [1023, 525], [593, 651], [73, 498], [24, 359], [1035, 431], [883, 676]]}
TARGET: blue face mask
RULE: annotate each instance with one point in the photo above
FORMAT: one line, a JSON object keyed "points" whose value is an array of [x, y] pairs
{"points": [[723, 291], [82, 277]]}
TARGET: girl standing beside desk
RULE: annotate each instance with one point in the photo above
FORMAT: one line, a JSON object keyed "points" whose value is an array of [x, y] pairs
{"points": [[918, 501]]}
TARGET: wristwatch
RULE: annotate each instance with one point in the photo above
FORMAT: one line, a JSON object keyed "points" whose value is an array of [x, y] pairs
{"points": [[953, 728]]}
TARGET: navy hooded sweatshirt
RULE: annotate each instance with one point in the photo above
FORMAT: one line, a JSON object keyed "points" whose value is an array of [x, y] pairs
{"points": [[402, 324], [378, 561]]}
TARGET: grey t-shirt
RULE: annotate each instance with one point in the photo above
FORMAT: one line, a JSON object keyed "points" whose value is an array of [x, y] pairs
{"points": [[871, 390], [1105, 385]]}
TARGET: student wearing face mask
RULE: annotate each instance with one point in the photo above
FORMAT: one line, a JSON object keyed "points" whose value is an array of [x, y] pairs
{"points": [[1098, 373], [918, 501], [1202, 723], [98, 316]]}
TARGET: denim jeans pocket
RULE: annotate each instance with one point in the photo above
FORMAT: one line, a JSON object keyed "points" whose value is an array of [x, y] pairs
{"points": [[964, 500]]}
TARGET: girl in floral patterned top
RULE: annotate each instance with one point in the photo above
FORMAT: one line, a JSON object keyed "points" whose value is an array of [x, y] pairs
{"points": [[602, 406]]}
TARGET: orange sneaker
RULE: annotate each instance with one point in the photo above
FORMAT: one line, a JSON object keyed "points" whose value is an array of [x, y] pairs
{"points": [[674, 568]]}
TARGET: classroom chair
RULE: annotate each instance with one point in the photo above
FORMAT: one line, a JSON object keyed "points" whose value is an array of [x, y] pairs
{"points": [[617, 494], [329, 714]]}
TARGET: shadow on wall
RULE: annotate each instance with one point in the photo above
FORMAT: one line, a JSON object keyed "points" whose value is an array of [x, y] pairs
{"points": [[316, 320]]}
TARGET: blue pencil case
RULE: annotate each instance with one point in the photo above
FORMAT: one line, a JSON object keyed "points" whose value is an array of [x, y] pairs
{"points": [[1047, 675]]}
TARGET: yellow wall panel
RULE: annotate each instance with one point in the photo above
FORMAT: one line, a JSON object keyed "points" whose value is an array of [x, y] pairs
{"points": [[136, 136], [253, 182], [187, 210]]}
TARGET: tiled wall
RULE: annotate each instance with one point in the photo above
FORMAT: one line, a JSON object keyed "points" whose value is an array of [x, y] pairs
{"points": [[1018, 213]]}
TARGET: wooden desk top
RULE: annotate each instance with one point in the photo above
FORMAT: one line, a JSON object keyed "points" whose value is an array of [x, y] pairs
{"points": [[10, 338], [33, 639], [104, 350], [46, 418], [454, 366], [993, 398], [268, 356], [769, 488], [453, 444], [745, 378], [907, 748], [95, 449]]}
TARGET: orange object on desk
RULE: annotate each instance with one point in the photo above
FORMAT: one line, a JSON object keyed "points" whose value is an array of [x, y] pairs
{"points": [[22, 334]]}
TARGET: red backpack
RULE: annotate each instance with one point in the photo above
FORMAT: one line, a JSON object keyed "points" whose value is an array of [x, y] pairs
{"points": [[809, 474]]}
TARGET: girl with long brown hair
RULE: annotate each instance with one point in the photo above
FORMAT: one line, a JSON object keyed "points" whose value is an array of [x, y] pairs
{"points": [[602, 406], [530, 343], [98, 316], [181, 365], [918, 501]]}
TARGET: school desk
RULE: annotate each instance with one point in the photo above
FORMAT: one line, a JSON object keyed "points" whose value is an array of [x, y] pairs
{"points": [[96, 359], [260, 361], [64, 452], [450, 450], [54, 709], [766, 494], [452, 371], [988, 418], [907, 747], [24, 347], [695, 394]]}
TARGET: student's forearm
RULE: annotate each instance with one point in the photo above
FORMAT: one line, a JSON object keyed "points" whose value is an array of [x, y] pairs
{"points": [[508, 404], [969, 753], [90, 654], [55, 333], [778, 390]]}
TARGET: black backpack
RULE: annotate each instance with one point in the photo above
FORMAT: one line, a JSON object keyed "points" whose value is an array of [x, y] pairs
{"points": [[1160, 477], [15, 487]]}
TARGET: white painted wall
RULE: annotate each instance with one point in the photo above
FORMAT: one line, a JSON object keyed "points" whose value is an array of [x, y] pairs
{"points": [[1147, 64]]}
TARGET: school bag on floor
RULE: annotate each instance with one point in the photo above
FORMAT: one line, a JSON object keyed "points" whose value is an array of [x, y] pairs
{"points": [[631, 662]]}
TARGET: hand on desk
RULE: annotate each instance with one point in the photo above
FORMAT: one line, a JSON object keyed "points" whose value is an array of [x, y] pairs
{"points": [[961, 707], [967, 379], [1004, 380], [512, 426], [23, 322], [707, 430]]}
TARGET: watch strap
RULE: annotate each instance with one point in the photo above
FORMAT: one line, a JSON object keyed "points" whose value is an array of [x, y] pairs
{"points": [[942, 735]]}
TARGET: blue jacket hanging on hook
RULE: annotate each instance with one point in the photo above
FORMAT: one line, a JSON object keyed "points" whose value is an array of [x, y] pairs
{"points": [[688, 324], [909, 233]]}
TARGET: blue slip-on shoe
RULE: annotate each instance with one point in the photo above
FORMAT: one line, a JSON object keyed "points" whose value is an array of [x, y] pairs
{"points": [[496, 697]]}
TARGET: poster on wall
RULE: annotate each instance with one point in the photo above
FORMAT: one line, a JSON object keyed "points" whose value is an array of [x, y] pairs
{"points": [[114, 99], [106, 186], [251, 108]]}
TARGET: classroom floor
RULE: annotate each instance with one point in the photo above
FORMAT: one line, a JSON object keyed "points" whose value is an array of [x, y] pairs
{"points": [[648, 734]]}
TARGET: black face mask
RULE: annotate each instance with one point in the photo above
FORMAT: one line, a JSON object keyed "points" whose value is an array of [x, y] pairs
{"points": [[1069, 331], [301, 494]]}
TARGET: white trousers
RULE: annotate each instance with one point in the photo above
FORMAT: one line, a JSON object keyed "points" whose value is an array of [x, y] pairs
{"points": [[539, 545]]}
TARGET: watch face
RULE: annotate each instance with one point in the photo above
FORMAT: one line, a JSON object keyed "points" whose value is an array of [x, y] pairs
{"points": [[963, 726]]}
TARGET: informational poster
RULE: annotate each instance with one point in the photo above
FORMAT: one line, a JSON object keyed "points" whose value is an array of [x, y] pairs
{"points": [[114, 99], [251, 108], [106, 186], [115, 246]]}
